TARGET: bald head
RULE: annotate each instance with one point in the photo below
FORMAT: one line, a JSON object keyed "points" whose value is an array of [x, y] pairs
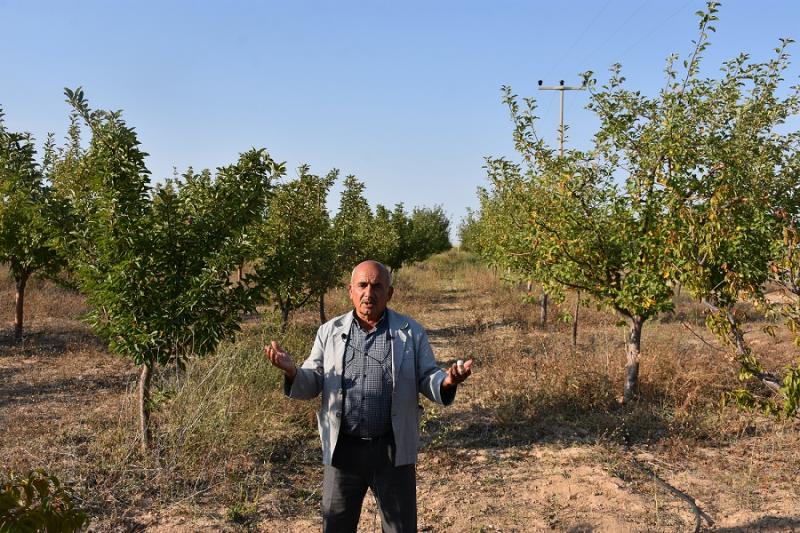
{"points": [[370, 290], [369, 263]]}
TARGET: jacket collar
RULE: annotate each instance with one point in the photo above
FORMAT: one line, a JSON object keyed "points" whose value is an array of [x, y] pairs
{"points": [[340, 330], [397, 322], [398, 330], [341, 325]]}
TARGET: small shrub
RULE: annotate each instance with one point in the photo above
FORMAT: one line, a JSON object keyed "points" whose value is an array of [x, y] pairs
{"points": [[38, 502], [243, 511]]}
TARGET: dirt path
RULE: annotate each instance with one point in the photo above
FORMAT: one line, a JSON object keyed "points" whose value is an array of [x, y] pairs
{"points": [[523, 487]]}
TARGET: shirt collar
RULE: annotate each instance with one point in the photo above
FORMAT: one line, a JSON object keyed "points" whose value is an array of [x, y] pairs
{"points": [[382, 321]]}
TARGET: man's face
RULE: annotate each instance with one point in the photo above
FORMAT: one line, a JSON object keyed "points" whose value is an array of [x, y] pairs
{"points": [[370, 291]]}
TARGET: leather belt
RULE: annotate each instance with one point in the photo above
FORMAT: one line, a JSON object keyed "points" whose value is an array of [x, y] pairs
{"points": [[385, 436]]}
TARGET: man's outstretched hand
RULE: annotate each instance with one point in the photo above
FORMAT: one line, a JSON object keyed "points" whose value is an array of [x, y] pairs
{"points": [[457, 373], [278, 357]]}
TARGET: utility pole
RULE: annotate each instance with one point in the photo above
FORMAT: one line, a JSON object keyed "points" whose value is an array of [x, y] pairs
{"points": [[562, 88]]}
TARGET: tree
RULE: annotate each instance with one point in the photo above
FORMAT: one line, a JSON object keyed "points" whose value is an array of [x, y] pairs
{"points": [[387, 238], [352, 226], [504, 225], [469, 232], [565, 222], [402, 239], [732, 183], [429, 233], [785, 273], [296, 249], [155, 264], [707, 184], [30, 216], [353, 234], [401, 226]]}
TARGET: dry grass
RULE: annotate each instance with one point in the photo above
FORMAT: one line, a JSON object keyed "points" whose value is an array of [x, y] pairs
{"points": [[232, 452]]}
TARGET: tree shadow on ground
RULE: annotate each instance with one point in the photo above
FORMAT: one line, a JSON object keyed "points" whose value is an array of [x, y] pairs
{"points": [[431, 298], [24, 392], [53, 341], [522, 419], [449, 332], [34, 344], [765, 523], [581, 528]]}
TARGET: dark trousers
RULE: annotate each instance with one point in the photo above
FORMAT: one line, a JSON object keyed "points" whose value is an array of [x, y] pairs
{"points": [[361, 464]]}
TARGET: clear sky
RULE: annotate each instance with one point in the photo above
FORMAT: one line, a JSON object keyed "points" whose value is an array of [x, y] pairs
{"points": [[403, 94]]}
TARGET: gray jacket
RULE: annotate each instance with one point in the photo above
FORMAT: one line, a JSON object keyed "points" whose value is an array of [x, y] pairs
{"points": [[322, 373]]}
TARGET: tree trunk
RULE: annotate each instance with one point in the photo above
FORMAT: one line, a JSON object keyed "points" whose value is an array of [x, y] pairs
{"points": [[284, 319], [735, 335], [633, 350], [575, 321], [239, 273], [322, 318], [543, 310], [144, 405], [19, 300], [742, 349]]}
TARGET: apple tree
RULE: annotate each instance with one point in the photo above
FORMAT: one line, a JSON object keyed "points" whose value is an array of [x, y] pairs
{"points": [[155, 262], [30, 216]]}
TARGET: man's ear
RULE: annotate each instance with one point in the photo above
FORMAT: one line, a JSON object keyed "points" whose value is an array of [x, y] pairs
{"points": [[390, 293]]}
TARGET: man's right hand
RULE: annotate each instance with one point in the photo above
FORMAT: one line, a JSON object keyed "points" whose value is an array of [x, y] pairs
{"points": [[278, 357]]}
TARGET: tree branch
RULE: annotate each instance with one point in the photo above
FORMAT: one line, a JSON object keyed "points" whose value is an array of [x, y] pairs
{"points": [[701, 339], [699, 514]]}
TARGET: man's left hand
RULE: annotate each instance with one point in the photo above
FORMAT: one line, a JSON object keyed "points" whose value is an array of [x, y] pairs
{"points": [[456, 374]]}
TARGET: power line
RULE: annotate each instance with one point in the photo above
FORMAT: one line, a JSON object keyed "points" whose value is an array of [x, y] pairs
{"points": [[578, 39], [566, 54], [621, 26], [658, 26], [645, 35]]}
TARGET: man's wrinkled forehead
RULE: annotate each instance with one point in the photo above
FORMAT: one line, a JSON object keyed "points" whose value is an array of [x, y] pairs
{"points": [[370, 272]]}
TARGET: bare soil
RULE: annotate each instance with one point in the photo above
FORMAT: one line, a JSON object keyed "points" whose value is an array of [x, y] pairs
{"points": [[505, 457]]}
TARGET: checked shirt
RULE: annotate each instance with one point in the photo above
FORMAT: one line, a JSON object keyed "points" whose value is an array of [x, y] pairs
{"points": [[367, 381]]}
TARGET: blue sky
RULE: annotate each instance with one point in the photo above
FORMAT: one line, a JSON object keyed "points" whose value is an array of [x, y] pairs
{"points": [[405, 95]]}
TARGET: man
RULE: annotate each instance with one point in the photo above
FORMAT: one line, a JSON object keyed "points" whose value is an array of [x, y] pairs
{"points": [[369, 364]]}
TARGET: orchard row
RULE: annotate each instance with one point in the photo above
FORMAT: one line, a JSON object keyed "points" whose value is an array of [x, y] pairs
{"points": [[697, 187], [157, 263]]}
